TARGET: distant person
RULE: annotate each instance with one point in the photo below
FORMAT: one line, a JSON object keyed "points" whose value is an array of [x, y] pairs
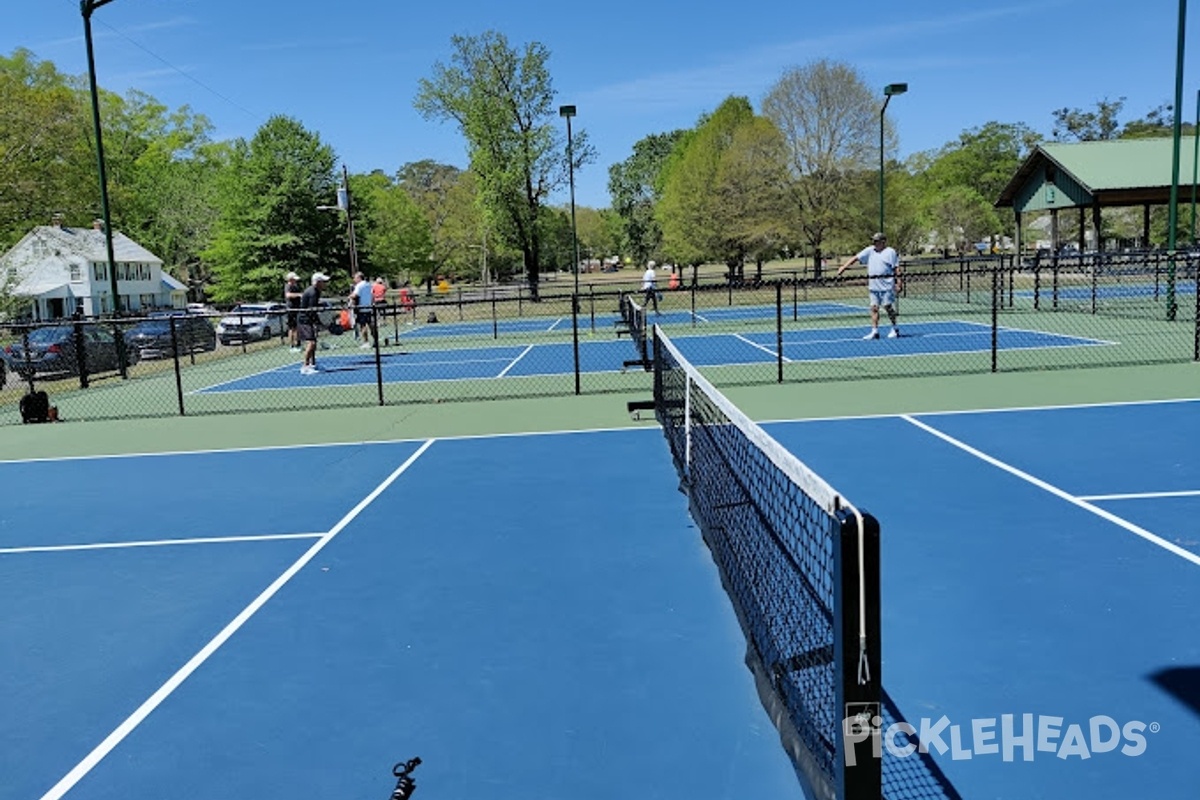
{"points": [[378, 292], [310, 320], [292, 292], [360, 303], [650, 287], [883, 273]]}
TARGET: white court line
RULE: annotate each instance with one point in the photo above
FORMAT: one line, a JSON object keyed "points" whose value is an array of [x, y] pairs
{"points": [[1057, 492], [55, 548], [524, 352], [768, 350], [1140, 495], [555, 325], [155, 700]]}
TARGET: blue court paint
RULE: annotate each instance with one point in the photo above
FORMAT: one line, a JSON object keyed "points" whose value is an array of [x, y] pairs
{"points": [[1107, 291], [1176, 519], [232, 493], [1000, 598], [88, 636], [1091, 450], [528, 615], [418, 364]]}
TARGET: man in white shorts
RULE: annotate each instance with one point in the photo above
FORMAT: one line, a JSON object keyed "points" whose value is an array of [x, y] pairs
{"points": [[883, 273]]}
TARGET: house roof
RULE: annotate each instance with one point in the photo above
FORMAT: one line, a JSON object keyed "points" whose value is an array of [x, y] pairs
{"points": [[89, 244], [172, 283], [1108, 173]]}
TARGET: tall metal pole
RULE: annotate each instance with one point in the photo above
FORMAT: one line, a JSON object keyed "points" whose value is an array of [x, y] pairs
{"points": [[1173, 216], [568, 112], [344, 202], [888, 91], [1195, 161], [86, 7], [886, 99]]}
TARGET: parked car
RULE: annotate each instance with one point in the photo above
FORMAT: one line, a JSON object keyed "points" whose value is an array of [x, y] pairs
{"points": [[249, 322], [52, 350], [152, 338]]}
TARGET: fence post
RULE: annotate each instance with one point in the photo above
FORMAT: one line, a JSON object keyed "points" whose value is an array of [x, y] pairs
{"points": [[495, 322], [374, 326], [996, 293], [575, 335], [779, 331], [175, 359], [81, 355], [795, 297], [28, 360]]}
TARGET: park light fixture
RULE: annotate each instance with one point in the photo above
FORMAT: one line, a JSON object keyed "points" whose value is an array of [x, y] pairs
{"points": [[888, 91], [343, 204], [567, 112]]}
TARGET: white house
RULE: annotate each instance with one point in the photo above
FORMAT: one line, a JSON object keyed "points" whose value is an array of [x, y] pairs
{"points": [[64, 270]]}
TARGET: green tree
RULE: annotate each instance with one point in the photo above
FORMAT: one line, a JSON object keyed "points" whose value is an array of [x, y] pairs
{"points": [[269, 222], [690, 209], [1077, 125], [635, 187], [395, 234], [501, 98], [829, 120], [751, 190], [46, 162]]}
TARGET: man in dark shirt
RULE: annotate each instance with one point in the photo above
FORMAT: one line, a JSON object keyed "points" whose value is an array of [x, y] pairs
{"points": [[292, 292], [310, 320]]}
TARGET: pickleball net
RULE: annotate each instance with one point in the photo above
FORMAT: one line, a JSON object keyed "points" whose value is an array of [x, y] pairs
{"points": [[801, 567], [634, 316]]}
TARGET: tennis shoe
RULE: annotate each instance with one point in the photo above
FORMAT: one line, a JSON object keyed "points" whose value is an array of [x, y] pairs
{"points": [[307, 370], [895, 334], [871, 335]]}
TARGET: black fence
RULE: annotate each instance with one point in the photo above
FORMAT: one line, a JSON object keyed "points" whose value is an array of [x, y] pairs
{"points": [[958, 315]]}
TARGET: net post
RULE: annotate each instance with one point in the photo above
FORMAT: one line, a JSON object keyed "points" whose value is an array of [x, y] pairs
{"points": [[857, 657]]}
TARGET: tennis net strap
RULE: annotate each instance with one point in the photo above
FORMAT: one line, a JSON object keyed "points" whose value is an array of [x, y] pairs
{"points": [[801, 567]]}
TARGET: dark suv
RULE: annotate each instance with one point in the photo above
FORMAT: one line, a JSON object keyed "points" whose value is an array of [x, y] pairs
{"points": [[152, 338], [53, 349]]}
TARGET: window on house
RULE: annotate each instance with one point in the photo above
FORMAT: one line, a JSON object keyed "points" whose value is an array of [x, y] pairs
{"points": [[100, 271], [75, 272]]}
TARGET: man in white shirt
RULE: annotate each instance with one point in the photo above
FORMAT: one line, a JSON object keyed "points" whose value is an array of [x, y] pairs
{"points": [[650, 287], [883, 273], [361, 302]]}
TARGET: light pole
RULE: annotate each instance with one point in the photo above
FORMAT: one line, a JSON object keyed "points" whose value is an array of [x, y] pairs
{"points": [[86, 7], [343, 204], [1195, 159], [568, 112], [888, 91], [1173, 208]]}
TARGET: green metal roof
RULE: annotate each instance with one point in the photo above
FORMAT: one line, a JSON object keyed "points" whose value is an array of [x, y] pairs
{"points": [[1112, 172]]}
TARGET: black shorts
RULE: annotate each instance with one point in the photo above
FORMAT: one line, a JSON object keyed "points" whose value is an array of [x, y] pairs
{"points": [[308, 331], [293, 318]]}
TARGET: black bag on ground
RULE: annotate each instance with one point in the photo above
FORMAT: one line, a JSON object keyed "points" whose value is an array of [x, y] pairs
{"points": [[35, 407]]}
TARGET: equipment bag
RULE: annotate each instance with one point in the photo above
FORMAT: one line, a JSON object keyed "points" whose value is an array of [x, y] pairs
{"points": [[35, 407]]}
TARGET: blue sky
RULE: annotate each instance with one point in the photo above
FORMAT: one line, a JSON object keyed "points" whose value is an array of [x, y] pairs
{"points": [[348, 70]]}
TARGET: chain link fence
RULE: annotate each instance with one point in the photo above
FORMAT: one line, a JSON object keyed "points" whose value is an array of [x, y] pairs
{"points": [[962, 315]]}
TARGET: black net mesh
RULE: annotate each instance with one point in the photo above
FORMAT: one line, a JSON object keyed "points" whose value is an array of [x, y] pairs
{"points": [[773, 535]]}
